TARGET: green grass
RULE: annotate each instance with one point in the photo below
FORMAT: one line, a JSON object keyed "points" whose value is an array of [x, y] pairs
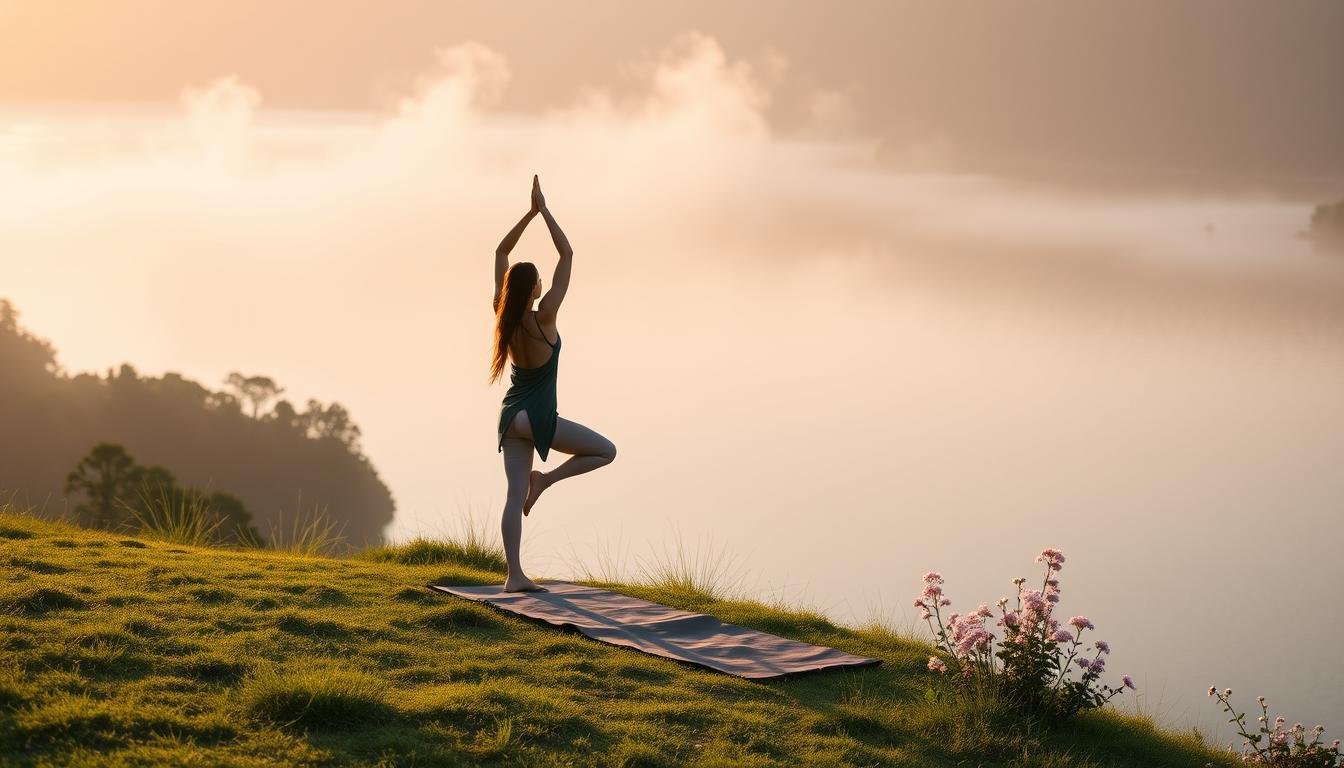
{"points": [[311, 531], [178, 518], [123, 651]]}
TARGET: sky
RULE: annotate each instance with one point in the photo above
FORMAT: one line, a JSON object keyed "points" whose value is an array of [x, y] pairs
{"points": [[1199, 93], [857, 294]]}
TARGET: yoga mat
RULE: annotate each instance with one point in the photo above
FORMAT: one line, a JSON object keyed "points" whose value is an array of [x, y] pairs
{"points": [[661, 630]]}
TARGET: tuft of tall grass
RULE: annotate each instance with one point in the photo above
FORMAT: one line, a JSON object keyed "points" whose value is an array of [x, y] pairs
{"points": [[314, 695], [11, 507], [426, 551], [182, 517], [474, 545], [884, 624], [610, 569], [311, 532], [497, 744], [708, 575]]}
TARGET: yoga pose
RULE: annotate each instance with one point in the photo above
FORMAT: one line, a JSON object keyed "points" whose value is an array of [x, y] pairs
{"points": [[528, 415]]}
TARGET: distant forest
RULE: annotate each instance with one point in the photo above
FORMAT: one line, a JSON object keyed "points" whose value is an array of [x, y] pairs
{"points": [[243, 440], [1327, 226]]}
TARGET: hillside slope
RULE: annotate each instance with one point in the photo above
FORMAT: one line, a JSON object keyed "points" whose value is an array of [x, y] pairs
{"points": [[121, 651]]}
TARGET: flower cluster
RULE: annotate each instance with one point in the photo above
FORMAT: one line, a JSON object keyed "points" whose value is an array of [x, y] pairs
{"points": [[1280, 746], [1033, 660]]}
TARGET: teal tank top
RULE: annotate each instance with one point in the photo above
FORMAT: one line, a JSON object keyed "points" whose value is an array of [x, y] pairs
{"points": [[533, 390]]}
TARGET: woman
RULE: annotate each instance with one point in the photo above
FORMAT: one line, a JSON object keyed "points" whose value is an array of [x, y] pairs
{"points": [[528, 415]]}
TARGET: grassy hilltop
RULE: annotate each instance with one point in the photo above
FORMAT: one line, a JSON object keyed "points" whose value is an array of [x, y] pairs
{"points": [[126, 651]]}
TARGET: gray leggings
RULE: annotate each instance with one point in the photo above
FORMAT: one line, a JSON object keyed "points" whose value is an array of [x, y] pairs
{"points": [[588, 450]]}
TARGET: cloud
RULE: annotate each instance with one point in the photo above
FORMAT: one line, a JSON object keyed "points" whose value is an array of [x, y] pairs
{"points": [[220, 115], [684, 178]]}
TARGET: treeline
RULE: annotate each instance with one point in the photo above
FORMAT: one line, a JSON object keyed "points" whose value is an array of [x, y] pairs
{"points": [[245, 441], [1327, 227]]}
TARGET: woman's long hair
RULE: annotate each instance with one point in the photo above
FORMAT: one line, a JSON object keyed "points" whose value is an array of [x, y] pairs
{"points": [[519, 283]]}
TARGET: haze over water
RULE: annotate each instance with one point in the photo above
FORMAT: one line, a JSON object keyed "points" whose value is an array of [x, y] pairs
{"points": [[840, 372]]}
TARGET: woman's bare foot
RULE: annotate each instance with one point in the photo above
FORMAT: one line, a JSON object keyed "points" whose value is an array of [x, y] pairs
{"points": [[523, 584], [536, 483]]}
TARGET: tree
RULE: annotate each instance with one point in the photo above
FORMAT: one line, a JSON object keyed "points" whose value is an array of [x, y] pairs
{"points": [[107, 475], [332, 421], [222, 401], [257, 390], [237, 520], [1327, 226], [152, 479], [22, 354], [284, 413]]}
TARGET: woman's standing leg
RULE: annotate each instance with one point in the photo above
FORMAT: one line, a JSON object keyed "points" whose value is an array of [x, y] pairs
{"points": [[517, 467], [589, 450]]}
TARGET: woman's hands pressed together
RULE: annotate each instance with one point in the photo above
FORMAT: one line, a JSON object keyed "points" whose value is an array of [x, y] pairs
{"points": [[538, 200]]}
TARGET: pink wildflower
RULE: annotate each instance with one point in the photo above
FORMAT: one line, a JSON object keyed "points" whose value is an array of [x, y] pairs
{"points": [[1063, 636], [936, 664], [944, 601], [919, 602], [1103, 646], [968, 633], [1053, 558], [1010, 619], [1128, 682], [933, 577], [1081, 623], [1084, 663]]}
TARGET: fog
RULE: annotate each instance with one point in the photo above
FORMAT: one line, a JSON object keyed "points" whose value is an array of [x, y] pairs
{"points": [[839, 374]]}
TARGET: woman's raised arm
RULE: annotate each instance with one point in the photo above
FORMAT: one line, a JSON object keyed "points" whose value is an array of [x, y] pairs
{"points": [[550, 303], [503, 251]]}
